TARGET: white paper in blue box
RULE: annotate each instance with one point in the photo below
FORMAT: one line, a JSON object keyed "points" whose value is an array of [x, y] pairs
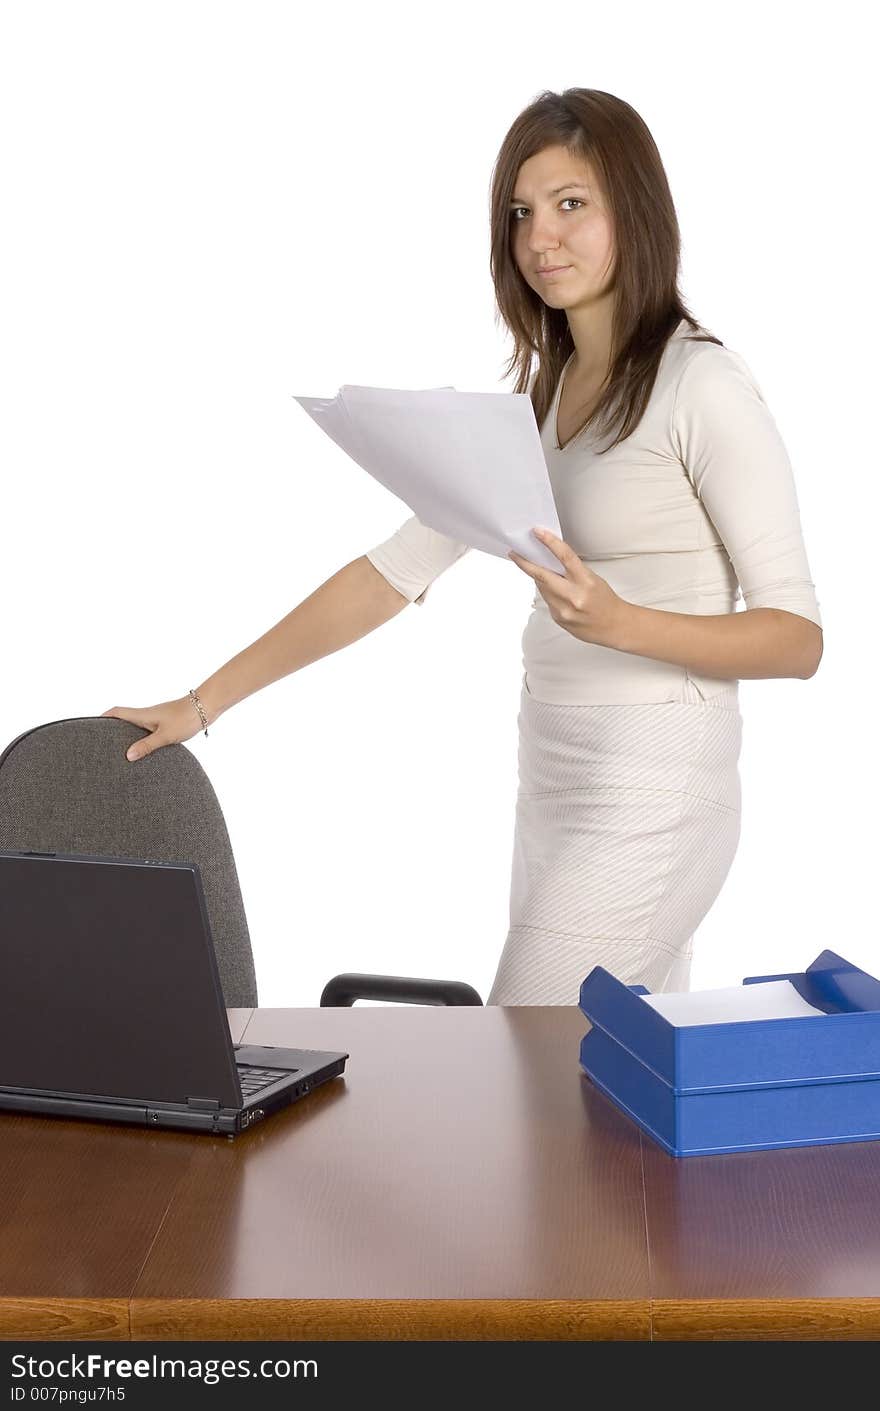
{"points": [[783, 1060]]}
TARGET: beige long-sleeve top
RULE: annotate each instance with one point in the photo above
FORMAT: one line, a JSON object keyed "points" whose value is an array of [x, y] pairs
{"points": [[698, 503]]}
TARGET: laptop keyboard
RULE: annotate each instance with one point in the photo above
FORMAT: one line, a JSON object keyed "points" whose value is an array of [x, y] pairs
{"points": [[256, 1080]]}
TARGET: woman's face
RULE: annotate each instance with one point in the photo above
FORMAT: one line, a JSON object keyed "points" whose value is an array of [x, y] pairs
{"points": [[558, 217]]}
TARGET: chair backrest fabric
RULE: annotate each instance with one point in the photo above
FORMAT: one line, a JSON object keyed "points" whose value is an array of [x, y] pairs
{"points": [[66, 786]]}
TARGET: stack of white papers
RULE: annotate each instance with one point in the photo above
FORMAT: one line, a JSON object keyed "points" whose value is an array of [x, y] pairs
{"points": [[468, 464], [774, 999]]}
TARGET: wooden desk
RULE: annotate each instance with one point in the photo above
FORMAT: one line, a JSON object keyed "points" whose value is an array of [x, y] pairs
{"points": [[463, 1180]]}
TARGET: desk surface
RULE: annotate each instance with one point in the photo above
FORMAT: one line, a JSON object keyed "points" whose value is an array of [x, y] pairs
{"points": [[463, 1180]]}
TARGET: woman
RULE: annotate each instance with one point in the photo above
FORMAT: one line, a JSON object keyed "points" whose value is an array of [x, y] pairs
{"points": [[674, 491]]}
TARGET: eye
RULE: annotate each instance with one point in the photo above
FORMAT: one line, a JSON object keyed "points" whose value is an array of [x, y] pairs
{"points": [[516, 209]]}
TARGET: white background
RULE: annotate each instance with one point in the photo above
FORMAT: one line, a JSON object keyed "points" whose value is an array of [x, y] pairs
{"points": [[213, 207]]}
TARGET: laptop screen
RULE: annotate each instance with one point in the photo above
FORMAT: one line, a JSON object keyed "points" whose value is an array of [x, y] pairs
{"points": [[108, 981]]}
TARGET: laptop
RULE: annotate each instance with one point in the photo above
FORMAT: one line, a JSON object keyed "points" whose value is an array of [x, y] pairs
{"points": [[111, 1007]]}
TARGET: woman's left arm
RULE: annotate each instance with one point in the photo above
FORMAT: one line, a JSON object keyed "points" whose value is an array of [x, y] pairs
{"points": [[729, 445], [757, 643]]}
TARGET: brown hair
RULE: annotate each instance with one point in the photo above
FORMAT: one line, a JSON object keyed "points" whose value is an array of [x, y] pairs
{"points": [[608, 133]]}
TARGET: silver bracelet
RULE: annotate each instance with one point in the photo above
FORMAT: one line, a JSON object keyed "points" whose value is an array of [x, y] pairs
{"points": [[198, 705]]}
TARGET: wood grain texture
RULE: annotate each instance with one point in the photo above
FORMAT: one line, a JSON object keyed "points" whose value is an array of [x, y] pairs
{"points": [[463, 1157], [765, 1244], [64, 1319], [783, 1320], [322, 1320], [463, 1181], [80, 1204]]}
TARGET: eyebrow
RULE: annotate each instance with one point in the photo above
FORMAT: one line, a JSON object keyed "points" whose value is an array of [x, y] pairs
{"points": [[570, 186]]}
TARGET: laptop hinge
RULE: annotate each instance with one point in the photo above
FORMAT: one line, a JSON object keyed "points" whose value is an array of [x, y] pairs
{"points": [[204, 1104]]}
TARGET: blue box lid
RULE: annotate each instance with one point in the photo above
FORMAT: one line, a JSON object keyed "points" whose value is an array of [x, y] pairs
{"points": [[843, 1041]]}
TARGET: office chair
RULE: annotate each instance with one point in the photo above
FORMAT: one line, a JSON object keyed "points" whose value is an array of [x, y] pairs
{"points": [[66, 786]]}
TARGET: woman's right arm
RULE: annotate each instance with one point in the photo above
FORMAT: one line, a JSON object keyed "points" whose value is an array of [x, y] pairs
{"points": [[345, 608]]}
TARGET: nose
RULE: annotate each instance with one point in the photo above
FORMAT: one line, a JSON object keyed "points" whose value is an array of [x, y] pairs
{"points": [[543, 236]]}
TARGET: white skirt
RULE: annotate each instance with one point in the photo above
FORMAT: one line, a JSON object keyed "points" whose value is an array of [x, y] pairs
{"points": [[627, 822]]}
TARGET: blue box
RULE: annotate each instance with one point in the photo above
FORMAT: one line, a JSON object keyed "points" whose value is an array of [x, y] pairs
{"points": [[742, 1086]]}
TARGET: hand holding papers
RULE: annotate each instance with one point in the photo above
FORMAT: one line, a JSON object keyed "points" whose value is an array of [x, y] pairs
{"points": [[468, 464]]}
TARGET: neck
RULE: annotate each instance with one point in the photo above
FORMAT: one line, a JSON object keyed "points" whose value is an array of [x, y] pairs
{"points": [[590, 327]]}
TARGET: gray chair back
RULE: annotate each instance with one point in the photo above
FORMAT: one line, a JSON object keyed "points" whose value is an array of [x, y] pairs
{"points": [[67, 787]]}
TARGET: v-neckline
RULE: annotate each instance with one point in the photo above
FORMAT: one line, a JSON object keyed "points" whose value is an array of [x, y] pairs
{"points": [[554, 413], [556, 404]]}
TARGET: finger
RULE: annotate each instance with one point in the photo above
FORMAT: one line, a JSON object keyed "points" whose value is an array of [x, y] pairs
{"points": [[143, 747], [134, 717], [537, 571], [146, 719], [557, 546], [544, 577], [525, 564]]}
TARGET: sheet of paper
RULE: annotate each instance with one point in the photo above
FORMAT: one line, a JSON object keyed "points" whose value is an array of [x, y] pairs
{"points": [[468, 464], [775, 999]]}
